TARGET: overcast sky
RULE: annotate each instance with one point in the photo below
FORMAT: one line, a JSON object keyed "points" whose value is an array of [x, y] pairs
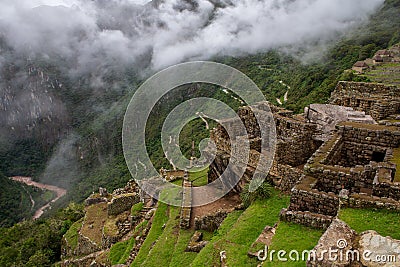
{"points": [[91, 34]]}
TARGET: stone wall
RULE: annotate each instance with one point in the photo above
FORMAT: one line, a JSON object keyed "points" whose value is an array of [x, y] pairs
{"points": [[306, 218], [354, 179], [363, 201], [210, 222], [186, 208], [86, 246], [389, 190], [305, 197], [285, 176], [377, 100], [372, 135], [354, 144], [121, 203], [295, 144], [369, 185]]}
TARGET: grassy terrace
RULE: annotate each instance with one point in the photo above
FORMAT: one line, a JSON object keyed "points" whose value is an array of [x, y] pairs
{"points": [[161, 253], [119, 252], [208, 255], [239, 231], [385, 222], [180, 258], [199, 178], [388, 73], [166, 247], [160, 217], [96, 215], [290, 237]]}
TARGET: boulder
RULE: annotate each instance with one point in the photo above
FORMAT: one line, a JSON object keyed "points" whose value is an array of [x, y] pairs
{"points": [[380, 251], [339, 238]]}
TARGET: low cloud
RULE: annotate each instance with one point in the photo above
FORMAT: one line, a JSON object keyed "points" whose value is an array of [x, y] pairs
{"points": [[91, 35]]}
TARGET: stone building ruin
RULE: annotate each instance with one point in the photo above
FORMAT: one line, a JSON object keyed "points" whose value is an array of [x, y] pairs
{"points": [[333, 155]]}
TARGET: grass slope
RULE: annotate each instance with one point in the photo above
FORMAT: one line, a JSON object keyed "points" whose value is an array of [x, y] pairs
{"points": [[162, 251], [243, 233], [385, 222], [208, 255], [290, 237], [119, 252], [71, 236], [160, 217], [180, 258]]}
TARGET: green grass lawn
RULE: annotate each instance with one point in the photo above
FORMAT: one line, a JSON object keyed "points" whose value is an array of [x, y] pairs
{"points": [[180, 258], [199, 178], [385, 222], [244, 231], [119, 252], [160, 217], [290, 237], [161, 253]]}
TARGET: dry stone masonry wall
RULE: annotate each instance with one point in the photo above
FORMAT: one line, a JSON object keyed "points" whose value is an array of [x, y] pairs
{"points": [[377, 100]]}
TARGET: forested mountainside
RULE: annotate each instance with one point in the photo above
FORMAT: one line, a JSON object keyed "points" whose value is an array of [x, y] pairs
{"points": [[70, 134]]}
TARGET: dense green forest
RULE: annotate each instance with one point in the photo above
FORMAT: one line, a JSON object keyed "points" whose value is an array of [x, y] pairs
{"points": [[16, 203], [38, 243]]}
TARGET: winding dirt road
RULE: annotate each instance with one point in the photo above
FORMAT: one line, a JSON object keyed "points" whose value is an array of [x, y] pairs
{"points": [[28, 181]]}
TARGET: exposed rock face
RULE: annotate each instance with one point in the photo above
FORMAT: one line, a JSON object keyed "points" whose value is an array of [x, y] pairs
{"points": [[45, 117], [384, 251], [149, 214], [341, 246], [339, 238]]}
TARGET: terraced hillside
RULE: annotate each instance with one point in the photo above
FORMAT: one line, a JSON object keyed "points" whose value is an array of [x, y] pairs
{"points": [[387, 73]]}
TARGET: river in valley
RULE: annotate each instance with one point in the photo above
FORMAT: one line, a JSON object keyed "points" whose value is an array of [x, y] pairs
{"points": [[60, 192]]}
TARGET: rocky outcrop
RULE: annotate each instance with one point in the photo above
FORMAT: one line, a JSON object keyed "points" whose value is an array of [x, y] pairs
{"points": [[338, 238], [341, 246], [263, 240], [379, 251], [196, 242]]}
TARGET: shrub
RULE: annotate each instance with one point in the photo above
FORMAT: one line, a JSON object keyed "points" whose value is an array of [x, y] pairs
{"points": [[264, 191]]}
